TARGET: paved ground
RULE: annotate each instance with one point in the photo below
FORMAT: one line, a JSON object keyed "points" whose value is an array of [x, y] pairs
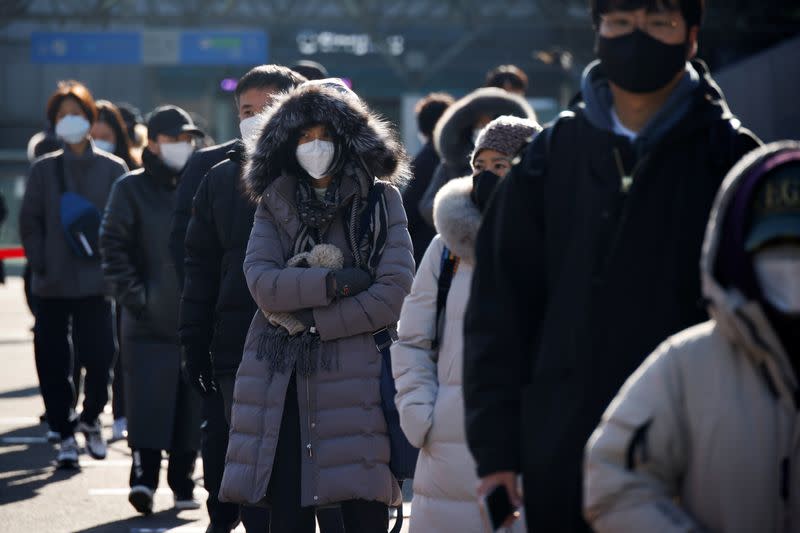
{"points": [[34, 496]]}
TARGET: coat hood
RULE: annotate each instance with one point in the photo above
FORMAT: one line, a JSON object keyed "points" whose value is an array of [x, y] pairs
{"points": [[457, 218], [365, 134], [728, 278], [453, 133]]}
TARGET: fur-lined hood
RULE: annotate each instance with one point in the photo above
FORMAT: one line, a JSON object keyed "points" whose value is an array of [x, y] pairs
{"points": [[453, 134], [366, 136], [457, 218]]}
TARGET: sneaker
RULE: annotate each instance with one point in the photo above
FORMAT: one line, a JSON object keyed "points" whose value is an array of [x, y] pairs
{"points": [[53, 437], [186, 503], [95, 444], [119, 430], [141, 498], [68, 454]]}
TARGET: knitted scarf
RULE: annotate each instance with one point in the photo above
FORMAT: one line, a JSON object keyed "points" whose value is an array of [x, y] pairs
{"points": [[366, 223]]}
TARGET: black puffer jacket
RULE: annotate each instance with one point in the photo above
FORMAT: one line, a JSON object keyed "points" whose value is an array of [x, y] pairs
{"points": [[196, 169], [577, 281], [216, 308]]}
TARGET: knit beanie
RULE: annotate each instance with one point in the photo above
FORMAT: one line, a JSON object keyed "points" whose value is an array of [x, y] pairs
{"points": [[507, 135]]}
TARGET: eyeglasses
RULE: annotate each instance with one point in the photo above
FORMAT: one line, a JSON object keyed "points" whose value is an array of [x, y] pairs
{"points": [[659, 25]]}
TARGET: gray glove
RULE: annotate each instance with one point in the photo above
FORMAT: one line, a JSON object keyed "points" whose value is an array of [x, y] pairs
{"points": [[350, 281]]}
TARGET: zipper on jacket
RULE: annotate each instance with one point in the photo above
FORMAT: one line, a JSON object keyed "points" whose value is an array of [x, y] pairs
{"points": [[309, 447]]}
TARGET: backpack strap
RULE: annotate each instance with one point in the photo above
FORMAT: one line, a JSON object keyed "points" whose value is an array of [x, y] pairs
{"points": [[449, 266]]}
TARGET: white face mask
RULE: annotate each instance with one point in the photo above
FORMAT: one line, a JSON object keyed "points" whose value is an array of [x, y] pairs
{"points": [[105, 146], [72, 129], [778, 274], [249, 127], [175, 155], [316, 157]]}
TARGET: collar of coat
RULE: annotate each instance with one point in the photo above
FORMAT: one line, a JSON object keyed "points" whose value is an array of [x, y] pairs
{"points": [[740, 318], [366, 136], [457, 218], [453, 134]]}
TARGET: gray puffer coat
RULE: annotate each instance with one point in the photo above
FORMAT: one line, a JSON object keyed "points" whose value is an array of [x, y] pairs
{"points": [[342, 429]]}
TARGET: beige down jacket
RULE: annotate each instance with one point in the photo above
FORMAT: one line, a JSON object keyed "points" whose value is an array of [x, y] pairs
{"points": [[705, 436], [342, 428], [429, 393]]}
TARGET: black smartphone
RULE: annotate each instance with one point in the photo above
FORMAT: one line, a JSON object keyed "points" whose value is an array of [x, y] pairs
{"points": [[498, 507]]}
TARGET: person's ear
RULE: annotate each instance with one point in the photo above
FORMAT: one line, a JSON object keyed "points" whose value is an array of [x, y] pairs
{"points": [[694, 39], [153, 147]]}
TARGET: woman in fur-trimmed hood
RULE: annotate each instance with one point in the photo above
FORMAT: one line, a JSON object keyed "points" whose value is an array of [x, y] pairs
{"points": [[328, 263], [456, 133], [429, 394]]}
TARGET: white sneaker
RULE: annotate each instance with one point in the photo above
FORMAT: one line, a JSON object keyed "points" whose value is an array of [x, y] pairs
{"points": [[119, 430], [141, 498], [95, 444], [68, 454], [189, 503]]}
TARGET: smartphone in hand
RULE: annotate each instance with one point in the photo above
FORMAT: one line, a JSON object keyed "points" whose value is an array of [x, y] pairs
{"points": [[497, 508]]}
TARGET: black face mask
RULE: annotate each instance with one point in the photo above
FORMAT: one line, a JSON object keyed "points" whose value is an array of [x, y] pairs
{"points": [[640, 63], [483, 186]]}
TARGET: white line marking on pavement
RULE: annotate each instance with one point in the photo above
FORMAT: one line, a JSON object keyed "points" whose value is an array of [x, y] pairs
{"points": [[105, 462], [20, 421], [124, 492], [181, 529], [23, 440]]}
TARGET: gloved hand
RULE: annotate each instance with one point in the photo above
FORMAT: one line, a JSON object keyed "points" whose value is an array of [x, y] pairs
{"points": [[306, 317], [350, 281], [199, 370]]}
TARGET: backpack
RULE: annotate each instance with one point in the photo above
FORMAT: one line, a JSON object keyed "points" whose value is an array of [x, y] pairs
{"points": [[80, 219]]}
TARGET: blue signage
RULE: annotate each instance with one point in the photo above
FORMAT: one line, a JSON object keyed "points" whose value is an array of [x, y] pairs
{"points": [[163, 47], [223, 47], [104, 48]]}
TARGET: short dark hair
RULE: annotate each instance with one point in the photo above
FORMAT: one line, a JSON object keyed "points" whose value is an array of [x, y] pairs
{"points": [[430, 109], [692, 10], [310, 69], [75, 90], [265, 76], [507, 75]]}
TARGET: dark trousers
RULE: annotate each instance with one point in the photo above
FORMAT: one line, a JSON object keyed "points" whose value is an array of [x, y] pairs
{"points": [[146, 468], [283, 492], [118, 385], [92, 338]]}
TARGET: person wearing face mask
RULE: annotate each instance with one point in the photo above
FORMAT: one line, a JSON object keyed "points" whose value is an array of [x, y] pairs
{"points": [[216, 306], [457, 130], [330, 257], [703, 436], [110, 134], [162, 410], [603, 217], [427, 359], [67, 278]]}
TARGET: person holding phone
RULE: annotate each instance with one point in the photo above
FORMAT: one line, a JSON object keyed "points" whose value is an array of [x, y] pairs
{"points": [[427, 359]]}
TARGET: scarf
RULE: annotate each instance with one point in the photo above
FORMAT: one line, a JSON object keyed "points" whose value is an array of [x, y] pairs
{"points": [[366, 223]]}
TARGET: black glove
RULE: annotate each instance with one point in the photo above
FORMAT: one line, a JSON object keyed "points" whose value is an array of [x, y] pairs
{"points": [[306, 317], [199, 370], [350, 281]]}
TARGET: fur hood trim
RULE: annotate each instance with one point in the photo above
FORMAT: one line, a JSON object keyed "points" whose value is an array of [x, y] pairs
{"points": [[453, 134], [457, 218], [366, 135]]}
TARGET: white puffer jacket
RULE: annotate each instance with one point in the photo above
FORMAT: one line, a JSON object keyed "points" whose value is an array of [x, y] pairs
{"points": [[429, 392]]}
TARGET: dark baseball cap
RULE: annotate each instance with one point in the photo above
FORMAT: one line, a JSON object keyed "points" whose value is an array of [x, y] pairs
{"points": [[171, 120], [776, 207]]}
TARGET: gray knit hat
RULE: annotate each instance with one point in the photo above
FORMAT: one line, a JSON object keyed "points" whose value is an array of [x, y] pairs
{"points": [[507, 135]]}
